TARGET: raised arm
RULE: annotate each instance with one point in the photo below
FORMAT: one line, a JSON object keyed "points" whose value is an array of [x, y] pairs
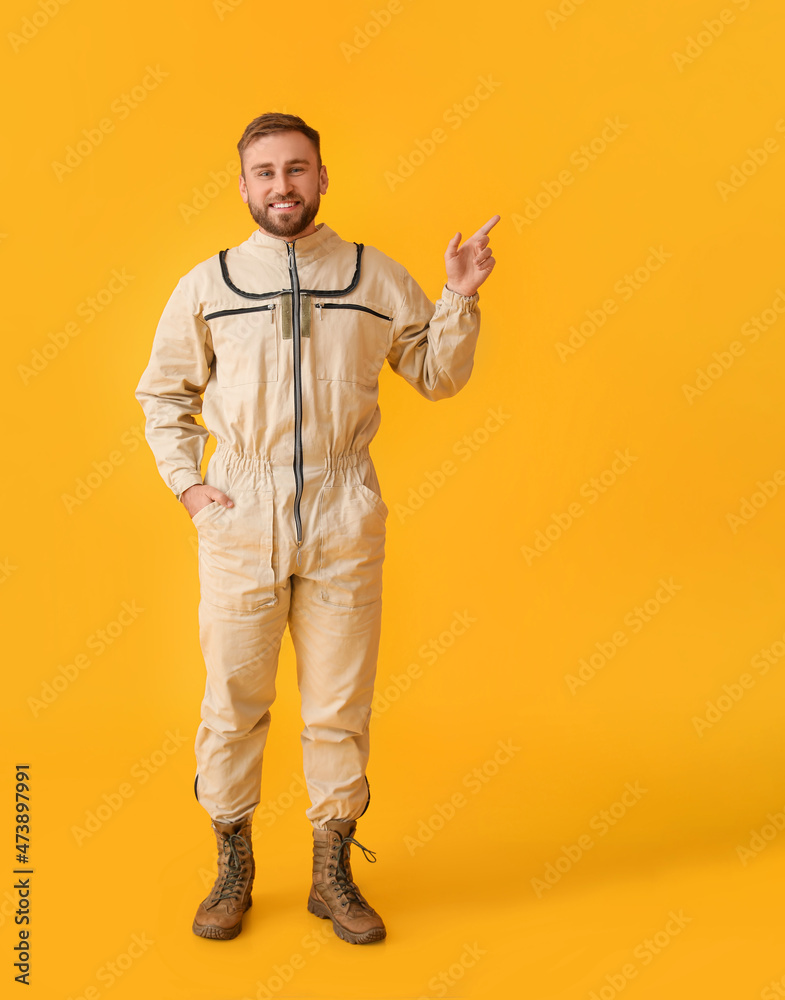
{"points": [[433, 345]]}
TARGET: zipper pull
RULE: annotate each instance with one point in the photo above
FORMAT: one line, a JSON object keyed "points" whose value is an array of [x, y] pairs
{"points": [[272, 313], [321, 310]]}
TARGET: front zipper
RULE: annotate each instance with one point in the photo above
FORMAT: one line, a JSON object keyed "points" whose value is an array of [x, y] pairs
{"points": [[347, 305], [298, 393]]}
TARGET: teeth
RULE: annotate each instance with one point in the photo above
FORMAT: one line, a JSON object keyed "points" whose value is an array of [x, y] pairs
{"points": [[284, 204]]}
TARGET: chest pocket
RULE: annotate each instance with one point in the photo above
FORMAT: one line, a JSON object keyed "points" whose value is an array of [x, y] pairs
{"points": [[245, 343], [349, 341]]}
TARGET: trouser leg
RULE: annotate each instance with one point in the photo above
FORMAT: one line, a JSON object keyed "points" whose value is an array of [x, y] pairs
{"points": [[337, 650], [241, 656]]}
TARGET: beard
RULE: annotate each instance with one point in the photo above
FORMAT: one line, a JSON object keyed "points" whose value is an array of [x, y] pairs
{"points": [[285, 225]]}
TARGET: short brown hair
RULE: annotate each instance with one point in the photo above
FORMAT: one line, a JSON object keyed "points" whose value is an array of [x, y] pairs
{"points": [[276, 121]]}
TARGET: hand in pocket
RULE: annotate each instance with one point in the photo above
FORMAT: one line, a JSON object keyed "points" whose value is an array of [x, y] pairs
{"points": [[197, 497]]}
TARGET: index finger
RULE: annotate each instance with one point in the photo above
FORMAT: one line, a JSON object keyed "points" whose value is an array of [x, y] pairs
{"points": [[484, 230]]}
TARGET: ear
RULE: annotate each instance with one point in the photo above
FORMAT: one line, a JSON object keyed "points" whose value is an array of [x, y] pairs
{"points": [[324, 180], [243, 189]]}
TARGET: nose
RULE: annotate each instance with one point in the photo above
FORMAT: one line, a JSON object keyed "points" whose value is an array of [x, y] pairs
{"points": [[284, 190]]}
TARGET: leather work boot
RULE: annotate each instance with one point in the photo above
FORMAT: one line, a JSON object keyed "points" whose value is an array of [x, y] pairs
{"points": [[220, 916], [334, 896]]}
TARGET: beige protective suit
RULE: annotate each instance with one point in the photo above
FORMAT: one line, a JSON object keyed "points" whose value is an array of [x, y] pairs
{"points": [[285, 341]]}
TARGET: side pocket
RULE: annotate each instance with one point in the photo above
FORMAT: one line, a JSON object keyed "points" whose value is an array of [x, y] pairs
{"points": [[236, 552], [375, 500], [352, 528], [203, 512]]}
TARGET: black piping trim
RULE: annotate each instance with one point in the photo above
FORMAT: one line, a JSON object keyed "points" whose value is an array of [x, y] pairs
{"points": [[287, 291], [196, 781], [340, 291], [348, 305], [248, 295], [232, 312]]}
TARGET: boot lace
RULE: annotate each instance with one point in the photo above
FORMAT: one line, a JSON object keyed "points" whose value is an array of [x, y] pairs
{"points": [[347, 887], [230, 886]]}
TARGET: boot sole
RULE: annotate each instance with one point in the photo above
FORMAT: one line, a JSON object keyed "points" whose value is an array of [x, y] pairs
{"points": [[366, 937], [214, 933]]}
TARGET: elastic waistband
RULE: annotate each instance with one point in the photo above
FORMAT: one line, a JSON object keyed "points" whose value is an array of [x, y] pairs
{"points": [[247, 461]]}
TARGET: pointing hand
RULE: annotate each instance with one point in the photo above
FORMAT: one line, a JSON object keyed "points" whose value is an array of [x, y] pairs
{"points": [[469, 265]]}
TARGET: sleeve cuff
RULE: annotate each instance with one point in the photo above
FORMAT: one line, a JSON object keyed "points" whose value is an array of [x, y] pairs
{"points": [[182, 483], [466, 303]]}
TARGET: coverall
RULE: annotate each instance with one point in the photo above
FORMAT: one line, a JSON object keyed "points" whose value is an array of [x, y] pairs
{"points": [[284, 340]]}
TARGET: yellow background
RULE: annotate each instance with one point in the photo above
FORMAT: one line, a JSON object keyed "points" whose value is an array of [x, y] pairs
{"points": [[463, 904]]}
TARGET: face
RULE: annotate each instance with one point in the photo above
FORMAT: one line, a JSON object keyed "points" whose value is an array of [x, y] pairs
{"points": [[280, 169]]}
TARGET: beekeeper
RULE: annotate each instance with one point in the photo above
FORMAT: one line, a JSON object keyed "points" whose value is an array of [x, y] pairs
{"points": [[284, 337]]}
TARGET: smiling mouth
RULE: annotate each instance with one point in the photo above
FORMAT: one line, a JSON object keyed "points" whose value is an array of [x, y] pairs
{"points": [[284, 206]]}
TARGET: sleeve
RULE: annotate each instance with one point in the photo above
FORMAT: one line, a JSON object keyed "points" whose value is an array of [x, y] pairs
{"points": [[170, 389], [433, 345]]}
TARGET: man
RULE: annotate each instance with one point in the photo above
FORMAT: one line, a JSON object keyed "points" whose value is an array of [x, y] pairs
{"points": [[284, 336]]}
